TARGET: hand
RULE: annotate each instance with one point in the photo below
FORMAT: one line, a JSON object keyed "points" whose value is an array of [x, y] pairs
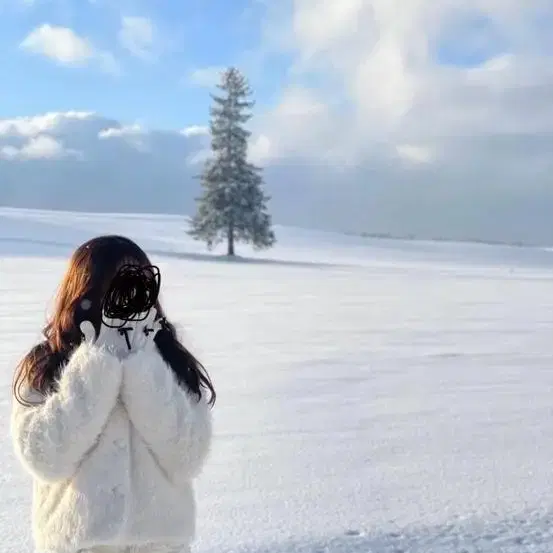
{"points": [[145, 331], [109, 338]]}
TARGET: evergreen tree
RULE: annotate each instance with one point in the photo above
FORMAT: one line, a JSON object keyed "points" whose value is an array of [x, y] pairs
{"points": [[233, 204]]}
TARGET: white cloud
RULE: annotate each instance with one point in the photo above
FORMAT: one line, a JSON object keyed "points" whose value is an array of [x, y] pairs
{"points": [[38, 124], [207, 77], [415, 154], [195, 130], [141, 139], [137, 35], [134, 134], [41, 146], [123, 131], [301, 125], [9, 152], [64, 46], [260, 149], [59, 43], [388, 85]]}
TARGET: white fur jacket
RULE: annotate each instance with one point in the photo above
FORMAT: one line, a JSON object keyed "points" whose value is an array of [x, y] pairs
{"points": [[113, 453]]}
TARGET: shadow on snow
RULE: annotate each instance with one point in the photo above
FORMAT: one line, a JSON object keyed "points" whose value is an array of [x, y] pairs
{"points": [[64, 249]]}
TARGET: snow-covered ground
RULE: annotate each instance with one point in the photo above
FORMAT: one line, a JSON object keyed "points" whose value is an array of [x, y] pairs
{"points": [[374, 396]]}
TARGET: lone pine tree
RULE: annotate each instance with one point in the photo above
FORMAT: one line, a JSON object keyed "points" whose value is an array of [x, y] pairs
{"points": [[233, 204]]}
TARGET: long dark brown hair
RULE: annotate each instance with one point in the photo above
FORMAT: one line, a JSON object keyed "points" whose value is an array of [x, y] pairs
{"points": [[91, 269]]}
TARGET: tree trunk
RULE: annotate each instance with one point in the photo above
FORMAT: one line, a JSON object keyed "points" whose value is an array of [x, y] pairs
{"points": [[230, 237]]}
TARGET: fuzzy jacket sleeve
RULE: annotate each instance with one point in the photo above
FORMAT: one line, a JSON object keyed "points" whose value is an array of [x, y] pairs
{"points": [[175, 425], [52, 437]]}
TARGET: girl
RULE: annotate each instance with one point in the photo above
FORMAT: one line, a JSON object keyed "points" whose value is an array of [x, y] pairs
{"points": [[112, 437]]}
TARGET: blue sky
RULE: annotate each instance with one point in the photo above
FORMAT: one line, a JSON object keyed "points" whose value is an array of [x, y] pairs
{"points": [[470, 41], [189, 36], [394, 94]]}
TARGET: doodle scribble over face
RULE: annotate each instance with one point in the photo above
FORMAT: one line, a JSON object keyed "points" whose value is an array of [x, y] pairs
{"points": [[133, 292]]}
